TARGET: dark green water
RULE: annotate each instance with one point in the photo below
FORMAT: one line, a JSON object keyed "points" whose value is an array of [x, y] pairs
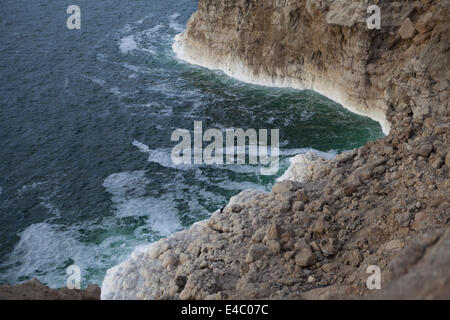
{"points": [[86, 118]]}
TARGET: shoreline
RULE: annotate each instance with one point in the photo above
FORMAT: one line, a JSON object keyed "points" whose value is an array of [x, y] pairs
{"points": [[367, 206], [317, 232], [239, 71]]}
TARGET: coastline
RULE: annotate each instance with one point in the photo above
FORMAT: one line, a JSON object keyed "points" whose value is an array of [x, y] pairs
{"points": [[239, 71], [368, 205], [325, 220]]}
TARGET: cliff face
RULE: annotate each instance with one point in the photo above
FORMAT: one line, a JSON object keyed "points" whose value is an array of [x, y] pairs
{"points": [[384, 204], [321, 45]]}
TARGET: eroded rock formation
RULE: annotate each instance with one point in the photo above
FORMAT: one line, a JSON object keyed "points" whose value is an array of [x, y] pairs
{"points": [[383, 204]]}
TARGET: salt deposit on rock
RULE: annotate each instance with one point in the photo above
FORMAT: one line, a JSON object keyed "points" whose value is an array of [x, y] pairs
{"points": [[303, 167]]}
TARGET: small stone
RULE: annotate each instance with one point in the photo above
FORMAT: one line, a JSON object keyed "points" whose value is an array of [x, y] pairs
{"points": [[284, 186], [420, 38], [301, 196], [320, 227], [315, 246], [403, 231], [315, 206], [366, 172], [425, 22], [328, 210], [274, 246], [436, 162], [329, 247], [394, 244], [305, 258], [329, 267], [358, 163], [387, 150], [298, 206], [349, 189], [352, 257], [236, 208], [421, 219], [440, 128], [407, 29], [354, 180], [272, 233], [379, 170], [258, 236], [169, 259], [424, 150], [255, 252], [447, 159], [283, 207], [404, 219], [311, 279]]}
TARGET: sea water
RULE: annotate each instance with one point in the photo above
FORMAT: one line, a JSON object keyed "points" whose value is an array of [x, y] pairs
{"points": [[86, 118]]}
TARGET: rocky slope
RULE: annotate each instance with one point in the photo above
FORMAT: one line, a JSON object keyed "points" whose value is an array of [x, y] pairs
{"points": [[383, 204], [35, 290]]}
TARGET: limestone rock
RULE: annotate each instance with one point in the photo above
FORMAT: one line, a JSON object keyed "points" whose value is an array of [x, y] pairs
{"points": [[407, 29], [305, 258]]}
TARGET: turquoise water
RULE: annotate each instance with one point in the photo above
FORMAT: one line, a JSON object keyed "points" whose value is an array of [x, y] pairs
{"points": [[85, 124]]}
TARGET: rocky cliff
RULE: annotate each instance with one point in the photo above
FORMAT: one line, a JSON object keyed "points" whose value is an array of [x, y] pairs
{"points": [[314, 235]]}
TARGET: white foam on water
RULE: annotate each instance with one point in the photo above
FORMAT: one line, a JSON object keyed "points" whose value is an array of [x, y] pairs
{"points": [[175, 25], [126, 28], [141, 146], [102, 57], [161, 214], [239, 185], [292, 152], [45, 251], [42, 249], [143, 19], [150, 105], [1, 190], [116, 91], [30, 187], [138, 69], [123, 184], [37, 247], [306, 115], [161, 156], [98, 81], [146, 41], [152, 32], [50, 207], [195, 199], [129, 195], [127, 44]]}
